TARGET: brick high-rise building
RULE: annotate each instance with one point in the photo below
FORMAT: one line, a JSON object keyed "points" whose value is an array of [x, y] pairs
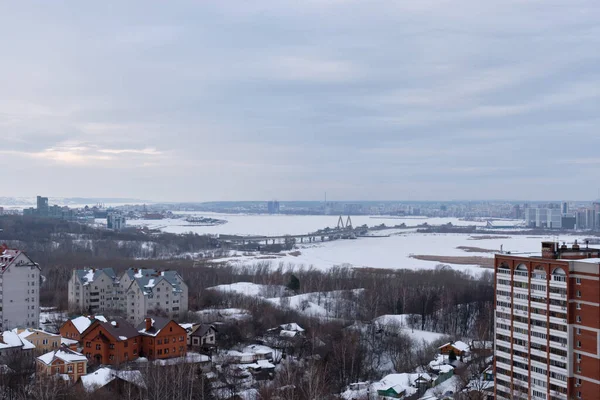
{"points": [[547, 324]]}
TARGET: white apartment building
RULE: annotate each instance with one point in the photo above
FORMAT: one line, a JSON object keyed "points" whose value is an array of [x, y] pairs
{"points": [[19, 290], [137, 293], [94, 290], [147, 291]]}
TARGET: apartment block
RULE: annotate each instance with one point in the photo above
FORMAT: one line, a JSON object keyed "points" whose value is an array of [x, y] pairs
{"points": [[136, 293], [19, 290], [547, 324], [94, 290]]}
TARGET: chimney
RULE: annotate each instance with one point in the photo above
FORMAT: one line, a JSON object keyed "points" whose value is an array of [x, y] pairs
{"points": [[575, 245], [148, 323]]}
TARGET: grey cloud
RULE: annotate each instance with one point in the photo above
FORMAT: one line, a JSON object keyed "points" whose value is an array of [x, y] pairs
{"points": [[427, 99]]}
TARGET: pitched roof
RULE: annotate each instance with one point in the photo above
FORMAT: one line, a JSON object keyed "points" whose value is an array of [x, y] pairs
{"points": [[10, 339], [157, 324], [89, 275], [8, 257], [64, 354], [25, 333], [83, 322], [203, 330], [118, 328], [104, 376], [147, 279]]}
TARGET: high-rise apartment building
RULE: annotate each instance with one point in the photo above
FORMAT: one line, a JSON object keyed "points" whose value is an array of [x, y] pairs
{"points": [[547, 324], [19, 290]]}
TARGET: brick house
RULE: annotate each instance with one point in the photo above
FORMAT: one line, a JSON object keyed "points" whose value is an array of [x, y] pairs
{"points": [[162, 338], [111, 343], [64, 362], [73, 328]]}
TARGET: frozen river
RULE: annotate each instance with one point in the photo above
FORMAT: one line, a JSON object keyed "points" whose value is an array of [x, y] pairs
{"points": [[391, 252]]}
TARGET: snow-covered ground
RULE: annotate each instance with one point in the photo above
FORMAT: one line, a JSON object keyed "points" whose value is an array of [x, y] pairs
{"points": [[321, 304], [395, 252], [251, 289]]}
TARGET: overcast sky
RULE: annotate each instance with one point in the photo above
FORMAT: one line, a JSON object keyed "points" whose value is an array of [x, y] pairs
{"points": [[255, 100]]}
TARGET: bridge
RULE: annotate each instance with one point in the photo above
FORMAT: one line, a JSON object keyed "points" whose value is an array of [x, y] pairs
{"points": [[343, 230]]}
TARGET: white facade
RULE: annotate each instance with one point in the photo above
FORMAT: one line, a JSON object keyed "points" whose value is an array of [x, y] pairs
{"points": [[94, 290], [19, 290], [137, 293]]}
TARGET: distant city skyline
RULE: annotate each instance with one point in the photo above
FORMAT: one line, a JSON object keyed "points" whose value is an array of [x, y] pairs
{"points": [[214, 101]]}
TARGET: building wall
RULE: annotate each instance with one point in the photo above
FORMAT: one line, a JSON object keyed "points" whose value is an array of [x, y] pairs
{"points": [[564, 345], [99, 296], [100, 347], [19, 294], [68, 330], [59, 367], [169, 343], [43, 341]]}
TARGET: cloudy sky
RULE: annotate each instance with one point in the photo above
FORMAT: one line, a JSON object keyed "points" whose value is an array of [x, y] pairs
{"points": [[364, 100]]}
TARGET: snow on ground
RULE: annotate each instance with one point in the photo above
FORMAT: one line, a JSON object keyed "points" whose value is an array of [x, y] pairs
{"points": [[394, 252], [251, 289], [50, 316], [399, 323], [449, 385], [223, 314], [318, 304]]}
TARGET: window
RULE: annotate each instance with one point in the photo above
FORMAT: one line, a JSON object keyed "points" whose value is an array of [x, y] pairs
{"points": [[69, 368], [171, 329], [111, 357], [45, 341], [158, 352], [578, 306], [166, 351], [111, 346], [578, 357], [126, 344], [578, 318], [97, 347], [134, 351], [579, 293], [578, 395], [159, 341], [578, 367], [578, 331], [174, 339], [578, 281], [181, 338], [88, 344], [180, 349], [578, 343]]}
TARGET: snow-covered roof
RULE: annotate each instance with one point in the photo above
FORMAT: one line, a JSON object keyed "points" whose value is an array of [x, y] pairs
{"points": [[68, 342], [83, 322], [458, 345], [104, 376], [148, 278], [402, 383], [88, 275], [64, 354], [590, 260], [30, 331], [292, 327], [10, 339]]}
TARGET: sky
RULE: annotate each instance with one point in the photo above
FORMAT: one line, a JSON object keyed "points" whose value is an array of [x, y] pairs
{"points": [[252, 100]]}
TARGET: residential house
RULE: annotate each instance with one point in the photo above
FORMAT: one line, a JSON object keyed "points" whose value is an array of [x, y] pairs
{"points": [[403, 386], [11, 345], [111, 342], [19, 288], [162, 338], [113, 382], [63, 362], [460, 349], [73, 328], [42, 340], [94, 290], [202, 336]]}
